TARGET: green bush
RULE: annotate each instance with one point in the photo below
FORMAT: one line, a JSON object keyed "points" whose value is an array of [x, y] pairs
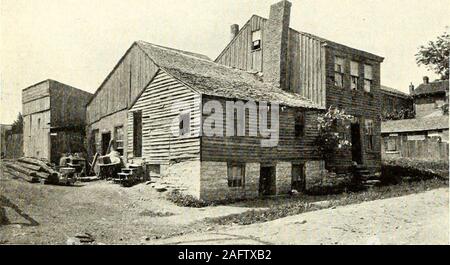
{"points": [[329, 184], [405, 169], [185, 200]]}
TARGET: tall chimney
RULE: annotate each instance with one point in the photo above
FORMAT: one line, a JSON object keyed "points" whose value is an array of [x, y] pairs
{"points": [[275, 44], [426, 80], [234, 31], [411, 88]]}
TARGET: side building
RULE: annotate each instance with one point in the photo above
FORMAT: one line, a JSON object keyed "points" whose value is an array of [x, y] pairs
{"points": [[53, 119]]}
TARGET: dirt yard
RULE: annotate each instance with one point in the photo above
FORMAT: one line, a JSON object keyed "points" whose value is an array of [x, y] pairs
{"points": [[46, 214]]}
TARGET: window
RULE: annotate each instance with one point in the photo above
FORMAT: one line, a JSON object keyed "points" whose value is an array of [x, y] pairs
{"points": [[185, 123], [256, 40], [298, 177], [137, 134], [354, 73], [368, 77], [299, 124], [391, 144], [118, 137], [236, 174], [339, 72], [370, 134]]}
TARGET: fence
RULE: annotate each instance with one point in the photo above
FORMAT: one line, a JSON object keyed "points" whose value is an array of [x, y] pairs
{"points": [[427, 149]]}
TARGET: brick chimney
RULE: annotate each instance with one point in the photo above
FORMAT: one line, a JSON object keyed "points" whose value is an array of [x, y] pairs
{"points": [[275, 44], [234, 31], [426, 80], [411, 89]]}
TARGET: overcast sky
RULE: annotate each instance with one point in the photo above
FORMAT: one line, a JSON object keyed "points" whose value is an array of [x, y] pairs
{"points": [[78, 42]]}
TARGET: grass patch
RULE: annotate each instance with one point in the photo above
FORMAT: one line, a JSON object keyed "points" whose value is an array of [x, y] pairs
{"points": [[150, 213], [184, 200], [283, 207]]}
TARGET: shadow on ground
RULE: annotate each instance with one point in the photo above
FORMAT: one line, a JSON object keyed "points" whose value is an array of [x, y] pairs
{"points": [[5, 202]]}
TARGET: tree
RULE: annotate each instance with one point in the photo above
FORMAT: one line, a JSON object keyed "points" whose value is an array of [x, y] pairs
{"points": [[435, 55], [17, 126], [331, 138]]}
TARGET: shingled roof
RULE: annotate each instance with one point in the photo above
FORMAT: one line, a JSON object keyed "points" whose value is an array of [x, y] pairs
{"points": [[210, 78], [415, 125], [390, 90], [439, 86]]}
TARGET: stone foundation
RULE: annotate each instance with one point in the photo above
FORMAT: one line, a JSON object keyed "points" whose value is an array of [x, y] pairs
{"points": [[283, 177], [185, 175], [214, 182]]}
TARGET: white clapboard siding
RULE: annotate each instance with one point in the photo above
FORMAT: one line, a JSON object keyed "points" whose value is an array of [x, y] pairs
{"points": [[160, 104]]}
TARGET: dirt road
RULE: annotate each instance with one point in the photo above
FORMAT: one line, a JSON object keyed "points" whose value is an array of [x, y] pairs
{"points": [[47, 214], [414, 219]]}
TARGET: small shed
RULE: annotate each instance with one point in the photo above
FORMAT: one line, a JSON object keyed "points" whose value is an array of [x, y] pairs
{"points": [[53, 119]]}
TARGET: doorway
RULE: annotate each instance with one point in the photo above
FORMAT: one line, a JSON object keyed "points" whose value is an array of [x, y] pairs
{"points": [[106, 138], [356, 142], [267, 184]]}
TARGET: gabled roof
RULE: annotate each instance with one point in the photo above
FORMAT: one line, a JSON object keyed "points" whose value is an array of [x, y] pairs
{"points": [[415, 125], [324, 41], [210, 78], [439, 86], [390, 90]]}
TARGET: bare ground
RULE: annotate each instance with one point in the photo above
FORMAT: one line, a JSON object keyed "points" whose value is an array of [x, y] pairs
{"points": [[421, 218], [45, 214]]}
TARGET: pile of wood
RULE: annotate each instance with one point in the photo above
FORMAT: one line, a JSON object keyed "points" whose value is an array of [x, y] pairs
{"points": [[32, 170]]}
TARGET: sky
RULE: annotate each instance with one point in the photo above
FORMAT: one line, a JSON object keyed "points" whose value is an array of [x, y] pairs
{"points": [[78, 42]]}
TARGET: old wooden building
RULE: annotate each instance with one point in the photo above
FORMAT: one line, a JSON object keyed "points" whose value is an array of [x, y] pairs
{"points": [[328, 73], [430, 97], [156, 101], [424, 138], [53, 119], [395, 104]]}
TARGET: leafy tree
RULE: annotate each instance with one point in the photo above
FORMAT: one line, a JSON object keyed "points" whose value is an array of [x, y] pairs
{"points": [[17, 126], [435, 55]]}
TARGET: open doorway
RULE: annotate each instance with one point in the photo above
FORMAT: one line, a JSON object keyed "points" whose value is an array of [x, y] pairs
{"points": [[356, 142], [106, 138], [267, 184]]}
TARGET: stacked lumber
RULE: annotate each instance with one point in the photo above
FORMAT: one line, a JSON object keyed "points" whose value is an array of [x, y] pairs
{"points": [[32, 170]]}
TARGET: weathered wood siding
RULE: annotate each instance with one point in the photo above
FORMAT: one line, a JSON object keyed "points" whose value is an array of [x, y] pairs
{"points": [[160, 104], [68, 105], [391, 103], [361, 104], [238, 53], [126, 81], [248, 149], [39, 90], [306, 59], [428, 149]]}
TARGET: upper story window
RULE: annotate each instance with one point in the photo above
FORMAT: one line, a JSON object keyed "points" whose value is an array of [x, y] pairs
{"points": [[256, 40], [368, 77], [354, 73], [339, 72]]}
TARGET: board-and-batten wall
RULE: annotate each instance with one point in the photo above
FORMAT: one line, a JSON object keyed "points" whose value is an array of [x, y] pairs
{"points": [[133, 72], [161, 104], [306, 59]]}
